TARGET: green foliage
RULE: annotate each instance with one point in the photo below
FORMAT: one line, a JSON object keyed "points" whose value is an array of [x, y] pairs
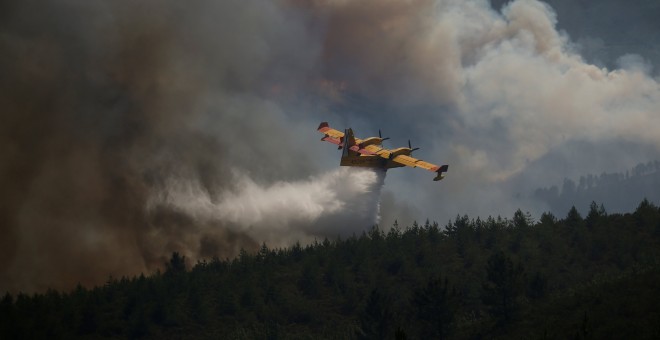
{"points": [[176, 266], [592, 277], [375, 321], [503, 287], [436, 306]]}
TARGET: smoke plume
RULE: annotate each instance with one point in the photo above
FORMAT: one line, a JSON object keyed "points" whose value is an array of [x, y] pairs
{"points": [[104, 103], [131, 130]]}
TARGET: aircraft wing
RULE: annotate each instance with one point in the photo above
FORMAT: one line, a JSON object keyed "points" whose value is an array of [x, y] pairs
{"points": [[331, 135], [408, 161], [337, 137], [413, 162], [418, 163], [328, 131]]}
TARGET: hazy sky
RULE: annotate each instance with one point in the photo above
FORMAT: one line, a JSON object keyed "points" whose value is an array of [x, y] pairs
{"points": [[131, 130]]}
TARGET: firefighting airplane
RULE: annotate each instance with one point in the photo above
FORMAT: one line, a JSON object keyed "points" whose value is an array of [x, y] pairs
{"points": [[370, 153]]}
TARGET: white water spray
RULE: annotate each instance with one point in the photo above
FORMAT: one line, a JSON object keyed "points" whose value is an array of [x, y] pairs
{"points": [[340, 202]]}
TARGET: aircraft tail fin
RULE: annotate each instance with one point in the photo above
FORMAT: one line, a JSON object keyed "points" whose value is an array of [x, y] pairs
{"points": [[440, 170], [350, 137], [345, 146], [348, 140]]}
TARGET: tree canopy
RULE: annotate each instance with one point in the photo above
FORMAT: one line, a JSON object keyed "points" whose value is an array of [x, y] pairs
{"points": [[572, 277]]}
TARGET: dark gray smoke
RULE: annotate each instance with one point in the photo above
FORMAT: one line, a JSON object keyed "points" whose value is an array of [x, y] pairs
{"points": [[133, 129], [104, 103]]}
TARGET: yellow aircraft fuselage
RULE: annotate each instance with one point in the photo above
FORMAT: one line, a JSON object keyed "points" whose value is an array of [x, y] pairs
{"points": [[369, 162], [352, 158]]}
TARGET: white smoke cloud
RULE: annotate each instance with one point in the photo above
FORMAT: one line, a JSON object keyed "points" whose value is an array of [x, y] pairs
{"points": [[520, 82], [524, 92], [340, 202]]}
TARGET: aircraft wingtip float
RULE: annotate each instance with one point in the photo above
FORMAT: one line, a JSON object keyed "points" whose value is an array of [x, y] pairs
{"points": [[370, 153]]}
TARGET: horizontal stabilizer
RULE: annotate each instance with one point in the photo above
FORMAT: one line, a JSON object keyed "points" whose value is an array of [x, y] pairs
{"points": [[440, 170], [331, 140], [324, 127]]}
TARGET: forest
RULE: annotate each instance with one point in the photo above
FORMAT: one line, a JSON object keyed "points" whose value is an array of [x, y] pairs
{"points": [[577, 277]]}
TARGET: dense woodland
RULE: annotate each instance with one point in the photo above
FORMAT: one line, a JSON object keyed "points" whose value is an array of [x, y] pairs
{"points": [[590, 277]]}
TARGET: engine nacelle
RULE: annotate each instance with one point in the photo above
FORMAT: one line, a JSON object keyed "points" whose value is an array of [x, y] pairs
{"points": [[371, 141], [400, 151]]}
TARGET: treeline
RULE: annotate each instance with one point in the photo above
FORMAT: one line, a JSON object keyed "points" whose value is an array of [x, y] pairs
{"points": [[618, 191], [589, 277]]}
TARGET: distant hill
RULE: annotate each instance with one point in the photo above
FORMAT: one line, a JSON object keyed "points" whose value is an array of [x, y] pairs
{"points": [[618, 192]]}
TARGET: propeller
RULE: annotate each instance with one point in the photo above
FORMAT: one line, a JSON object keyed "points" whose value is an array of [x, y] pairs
{"points": [[410, 147], [381, 136]]}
